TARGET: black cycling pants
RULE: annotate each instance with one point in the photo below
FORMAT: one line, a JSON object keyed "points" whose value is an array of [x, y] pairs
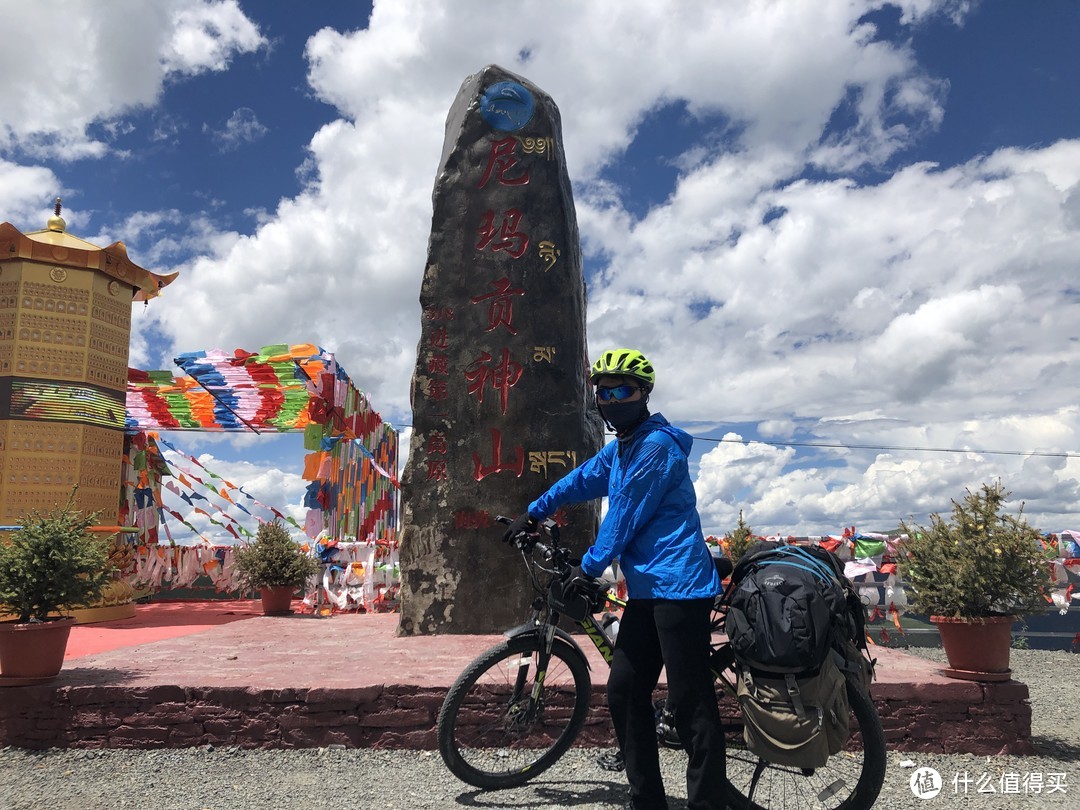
{"points": [[653, 634]]}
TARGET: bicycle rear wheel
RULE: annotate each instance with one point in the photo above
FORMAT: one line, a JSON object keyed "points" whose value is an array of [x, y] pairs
{"points": [[850, 780], [494, 732]]}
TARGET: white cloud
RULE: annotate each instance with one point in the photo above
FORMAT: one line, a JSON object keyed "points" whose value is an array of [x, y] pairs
{"points": [[100, 61], [930, 289], [23, 190], [242, 127], [925, 350], [205, 36], [359, 231], [875, 491], [936, 307]]}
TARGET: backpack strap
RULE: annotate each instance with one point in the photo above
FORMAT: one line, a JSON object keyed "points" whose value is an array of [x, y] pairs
{"points": [[792, 686], [823, 570], [816, 572], [795, 695]]}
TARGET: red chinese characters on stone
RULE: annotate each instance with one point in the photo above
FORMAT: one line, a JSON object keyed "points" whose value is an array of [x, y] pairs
{"points": [[514, 242], [501, 308], [436, 444], [439, 338], [439, 313], [517, 466], [436, 470], [500, 161], [438, 364], [465, 519], [502, 376]]}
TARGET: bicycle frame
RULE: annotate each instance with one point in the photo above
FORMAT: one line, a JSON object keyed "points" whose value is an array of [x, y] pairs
{"points": [[719, 662]]}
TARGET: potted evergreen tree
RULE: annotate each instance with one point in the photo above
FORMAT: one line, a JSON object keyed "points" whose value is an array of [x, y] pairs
{"points": [[739, 539], [974, 575], [52, 564], [275, 566]]}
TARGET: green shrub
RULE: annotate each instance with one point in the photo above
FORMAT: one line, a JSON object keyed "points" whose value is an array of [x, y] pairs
{"points": [[273, 559], [981, 562], [53, 564], [739, 539]]}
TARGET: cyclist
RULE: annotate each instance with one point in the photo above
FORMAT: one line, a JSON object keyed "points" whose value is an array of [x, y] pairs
{"points": [[652, 527]]}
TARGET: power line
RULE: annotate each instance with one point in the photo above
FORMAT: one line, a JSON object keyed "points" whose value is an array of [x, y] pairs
{"points": [[841, 446]]}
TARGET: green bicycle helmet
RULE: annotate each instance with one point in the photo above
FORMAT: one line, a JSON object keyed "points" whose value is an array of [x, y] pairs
{"points": [[624, 363]]}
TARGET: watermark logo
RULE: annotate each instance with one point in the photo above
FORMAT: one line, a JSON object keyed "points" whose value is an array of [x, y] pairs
{"points": [[925, 783]]}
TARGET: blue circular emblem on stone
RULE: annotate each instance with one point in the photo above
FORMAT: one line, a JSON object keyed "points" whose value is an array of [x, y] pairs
{"points": [[507, 106]]}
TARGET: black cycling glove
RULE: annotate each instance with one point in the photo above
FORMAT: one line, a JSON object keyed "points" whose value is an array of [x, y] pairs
{"points": [[576, 581], [577, 573], [521, 523]]}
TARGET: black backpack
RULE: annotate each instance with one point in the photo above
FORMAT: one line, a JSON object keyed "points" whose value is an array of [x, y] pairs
{"points": [[797, 629]]}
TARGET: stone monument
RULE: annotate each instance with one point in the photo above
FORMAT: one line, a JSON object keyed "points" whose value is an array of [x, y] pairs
{"points": [[502, 406]]}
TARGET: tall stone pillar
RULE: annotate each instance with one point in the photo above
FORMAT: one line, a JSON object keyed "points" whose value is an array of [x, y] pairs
{"points": [[501, 401], [65, 324]]}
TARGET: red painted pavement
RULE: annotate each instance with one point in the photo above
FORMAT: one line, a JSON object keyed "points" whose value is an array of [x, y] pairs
{"points": [[156, 621], [230, 643]]}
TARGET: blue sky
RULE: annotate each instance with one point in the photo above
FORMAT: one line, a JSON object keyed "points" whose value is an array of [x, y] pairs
{"points": [[839, 223]]}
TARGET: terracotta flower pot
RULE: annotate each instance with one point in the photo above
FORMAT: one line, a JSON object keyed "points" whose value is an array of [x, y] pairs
{"points": [[31, 652], [277, 600], [977, 648]]}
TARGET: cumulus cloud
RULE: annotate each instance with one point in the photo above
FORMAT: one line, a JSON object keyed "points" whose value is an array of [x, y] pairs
{"points": [[101, 61], [242, 127], [816, 298], [771, 285], [205, 36], [24, 188]]}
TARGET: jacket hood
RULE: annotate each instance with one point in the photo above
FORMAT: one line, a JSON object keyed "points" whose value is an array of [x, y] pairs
{"points": [[658, 422]]}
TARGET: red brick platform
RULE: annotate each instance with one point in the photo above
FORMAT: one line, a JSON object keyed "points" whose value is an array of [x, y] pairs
{"points": [[300, 681]]}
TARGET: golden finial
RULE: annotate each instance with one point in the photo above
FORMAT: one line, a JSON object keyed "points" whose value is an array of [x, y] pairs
{"points": [[56, 222]]}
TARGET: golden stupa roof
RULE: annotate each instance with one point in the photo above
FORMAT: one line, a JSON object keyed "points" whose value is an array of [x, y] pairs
{"points": [[54, 244]]}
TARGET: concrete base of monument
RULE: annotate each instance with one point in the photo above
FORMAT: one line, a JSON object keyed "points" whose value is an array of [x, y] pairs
{"points": [[297, 681]]}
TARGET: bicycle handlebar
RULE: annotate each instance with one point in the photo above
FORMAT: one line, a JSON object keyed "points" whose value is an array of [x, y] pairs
{"points": [[595, 590], [530, 542]]}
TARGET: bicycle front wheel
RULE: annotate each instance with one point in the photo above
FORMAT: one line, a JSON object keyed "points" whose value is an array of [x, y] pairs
{"points": [[850, 780], [503, 722]]}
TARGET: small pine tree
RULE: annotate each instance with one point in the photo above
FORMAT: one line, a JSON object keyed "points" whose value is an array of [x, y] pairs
{"points": [[739, 539], [273, 559], [52, 564], [981, 562]]}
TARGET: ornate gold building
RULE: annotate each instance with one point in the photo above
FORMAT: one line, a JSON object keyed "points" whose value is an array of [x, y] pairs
{"points": [[65, 324]]}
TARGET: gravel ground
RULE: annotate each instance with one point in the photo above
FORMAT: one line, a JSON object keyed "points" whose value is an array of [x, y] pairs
{"points": [[235, 779]]}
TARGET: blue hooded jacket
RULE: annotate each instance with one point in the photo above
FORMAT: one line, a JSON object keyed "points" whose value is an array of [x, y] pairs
{"points": [[652, 524]]}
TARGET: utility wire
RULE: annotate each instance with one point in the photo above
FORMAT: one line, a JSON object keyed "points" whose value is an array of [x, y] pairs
{"points": [[840, 446]]}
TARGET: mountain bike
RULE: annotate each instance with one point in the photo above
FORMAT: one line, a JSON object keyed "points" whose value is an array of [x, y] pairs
{"points": [[518, 707]]}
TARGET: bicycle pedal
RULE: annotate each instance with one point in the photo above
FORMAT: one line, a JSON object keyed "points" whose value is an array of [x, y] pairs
{"points": [[611, 761]]}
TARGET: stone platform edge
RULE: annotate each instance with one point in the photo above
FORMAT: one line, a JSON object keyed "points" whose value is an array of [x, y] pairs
{"points": [[955, 717]]}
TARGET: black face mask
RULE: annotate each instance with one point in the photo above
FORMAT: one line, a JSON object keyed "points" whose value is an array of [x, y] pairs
{"points": [[624, 415]]}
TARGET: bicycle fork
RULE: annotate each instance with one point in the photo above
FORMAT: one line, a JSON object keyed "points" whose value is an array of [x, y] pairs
{"points": [[528, 713]]}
